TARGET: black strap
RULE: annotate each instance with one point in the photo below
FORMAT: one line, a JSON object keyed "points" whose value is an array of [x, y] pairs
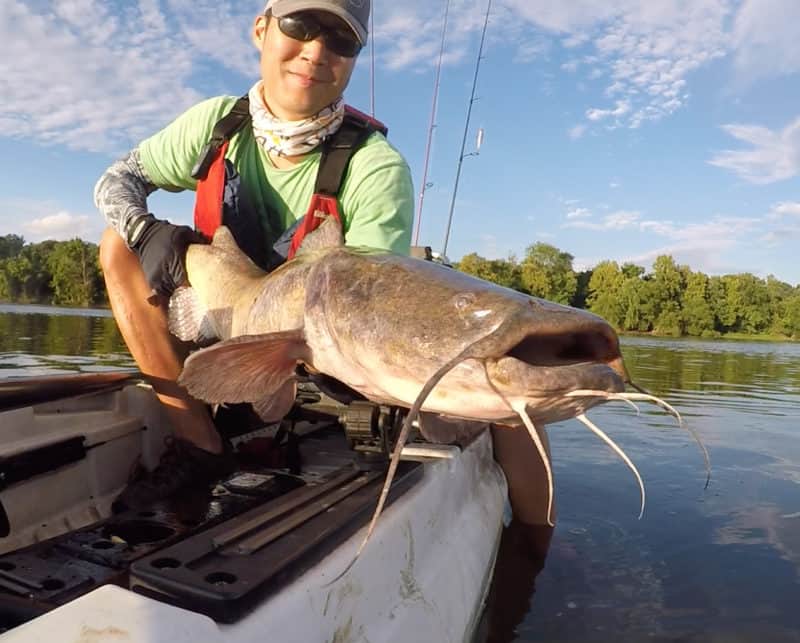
{"points": [[225, 128], [232, 122], [337, 152]]}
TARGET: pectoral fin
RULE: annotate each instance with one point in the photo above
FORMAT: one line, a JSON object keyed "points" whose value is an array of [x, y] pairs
{"points": [[250, 368], [275, 407]]}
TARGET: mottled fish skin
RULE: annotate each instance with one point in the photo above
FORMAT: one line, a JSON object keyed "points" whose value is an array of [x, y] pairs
{"points": [[383, 324]]}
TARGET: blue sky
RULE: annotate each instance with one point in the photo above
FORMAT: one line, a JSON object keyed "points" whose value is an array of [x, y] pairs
{"points": [[617, 130]]}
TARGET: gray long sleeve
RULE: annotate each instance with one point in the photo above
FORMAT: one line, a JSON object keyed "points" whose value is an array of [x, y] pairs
{"points": [[121, 195]]}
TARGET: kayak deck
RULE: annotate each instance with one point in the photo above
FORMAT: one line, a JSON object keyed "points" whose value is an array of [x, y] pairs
{"points": [[215, 550], [256, 550]]}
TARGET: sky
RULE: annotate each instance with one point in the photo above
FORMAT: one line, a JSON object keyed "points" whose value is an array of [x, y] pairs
{"points": [[612, 130]]}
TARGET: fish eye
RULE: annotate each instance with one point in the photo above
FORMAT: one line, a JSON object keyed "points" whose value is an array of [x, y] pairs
{"points": [[464, 300]]}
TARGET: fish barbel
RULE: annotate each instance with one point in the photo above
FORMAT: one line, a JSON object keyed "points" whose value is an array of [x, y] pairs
{"points": [[398, 330]]}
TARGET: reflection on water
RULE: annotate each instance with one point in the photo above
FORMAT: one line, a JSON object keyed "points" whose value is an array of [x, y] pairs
{"points": [[716, 564], [44, 340]]}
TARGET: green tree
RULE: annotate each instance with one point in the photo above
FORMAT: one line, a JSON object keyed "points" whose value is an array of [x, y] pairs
{"points": [[500, 271], [605, 290], [632, 271], [698, 316], [75, 275], [581, 289], [11, 245], [5, 282], [791, 316], [757, 313], [547, 272], [668, 282], [17, 275], [632, 294], [718, 302], [747, 304], [779, 293]]}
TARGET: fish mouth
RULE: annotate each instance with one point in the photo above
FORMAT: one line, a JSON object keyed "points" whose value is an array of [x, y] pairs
{"points": [[559, 349], [512, 377], [549, 362], [582, 347]]}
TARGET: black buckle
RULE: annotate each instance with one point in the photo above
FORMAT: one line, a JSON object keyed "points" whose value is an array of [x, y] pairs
{"points": [[205, 159]]}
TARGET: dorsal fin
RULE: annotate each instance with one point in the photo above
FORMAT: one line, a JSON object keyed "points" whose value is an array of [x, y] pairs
{"points": [[327, 235], [225, 252]]}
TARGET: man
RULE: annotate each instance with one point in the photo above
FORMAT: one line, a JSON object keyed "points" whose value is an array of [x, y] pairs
{"points": [[308, 50], [307, 58]]}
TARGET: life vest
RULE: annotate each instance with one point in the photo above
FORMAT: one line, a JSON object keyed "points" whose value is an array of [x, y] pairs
{"points": [[214, 177]]}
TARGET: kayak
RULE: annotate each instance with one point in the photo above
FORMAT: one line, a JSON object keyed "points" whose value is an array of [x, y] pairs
{"points": [[262, 555]]}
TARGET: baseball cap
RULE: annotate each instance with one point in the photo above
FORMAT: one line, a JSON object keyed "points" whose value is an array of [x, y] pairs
{"points": [[354, 12]]}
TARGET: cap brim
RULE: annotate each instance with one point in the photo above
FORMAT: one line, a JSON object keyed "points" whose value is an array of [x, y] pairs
{"points": [[292, 6]]}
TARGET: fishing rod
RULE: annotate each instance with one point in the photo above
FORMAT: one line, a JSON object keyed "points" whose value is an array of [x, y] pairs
{"points": [[372, 62], [466, 131], [432, 125]]}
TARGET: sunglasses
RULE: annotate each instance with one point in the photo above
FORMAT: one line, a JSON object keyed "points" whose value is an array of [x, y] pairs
{"points": [[305, 27]]}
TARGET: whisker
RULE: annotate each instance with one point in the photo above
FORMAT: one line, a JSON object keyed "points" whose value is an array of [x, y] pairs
{"points": [[606, 395], [645, 396], [599, 433], [402, 438], [519, 407]]}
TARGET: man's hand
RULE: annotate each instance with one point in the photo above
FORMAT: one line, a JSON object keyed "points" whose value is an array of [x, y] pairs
{"points": [[161, 248]]}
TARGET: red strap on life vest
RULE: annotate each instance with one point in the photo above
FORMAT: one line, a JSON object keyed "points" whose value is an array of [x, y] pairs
{"points": [[322, 206], [208, 200], [208, 205]]}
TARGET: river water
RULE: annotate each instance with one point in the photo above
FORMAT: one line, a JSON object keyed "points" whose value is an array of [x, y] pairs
{"points": [[703, 564]]}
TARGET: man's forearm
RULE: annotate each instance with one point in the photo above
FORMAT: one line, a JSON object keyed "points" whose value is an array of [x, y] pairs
{"points": [[121, 195]]}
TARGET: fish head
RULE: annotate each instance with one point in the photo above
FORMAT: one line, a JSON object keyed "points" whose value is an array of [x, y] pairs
{"points": [[385, 324]]}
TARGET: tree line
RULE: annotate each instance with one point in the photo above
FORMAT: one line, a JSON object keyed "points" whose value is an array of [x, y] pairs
{"points": [[64, 273], [670, 300]]}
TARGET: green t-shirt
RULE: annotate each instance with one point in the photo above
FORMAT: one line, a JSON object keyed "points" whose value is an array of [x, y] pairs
{"points": [[376, 200]]}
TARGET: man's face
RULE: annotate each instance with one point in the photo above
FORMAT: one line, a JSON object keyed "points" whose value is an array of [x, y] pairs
{"points": [[300, 78]]}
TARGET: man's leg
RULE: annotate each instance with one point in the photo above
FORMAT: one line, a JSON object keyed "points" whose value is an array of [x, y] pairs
{"points": [[528, 490], [144, 328], [526, 541]]}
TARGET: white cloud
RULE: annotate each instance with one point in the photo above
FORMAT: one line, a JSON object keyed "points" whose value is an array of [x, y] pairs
{"points": [[61, 225], [409, 35], [111, 73], [40, 220], [622, 107], [782, 224], [704, 245], [577, 132], [579, 213], [787, 208], [765, 37], [530, 51], [101, 78], [773, 156], [718, 230], [620, 220], [646, 49]]}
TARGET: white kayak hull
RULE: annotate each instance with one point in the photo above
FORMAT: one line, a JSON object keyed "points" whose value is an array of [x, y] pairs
{"points": [[423, 576]]}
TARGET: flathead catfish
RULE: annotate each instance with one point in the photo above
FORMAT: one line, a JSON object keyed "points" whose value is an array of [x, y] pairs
{"points": [[384, 324], [398, 330]]}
